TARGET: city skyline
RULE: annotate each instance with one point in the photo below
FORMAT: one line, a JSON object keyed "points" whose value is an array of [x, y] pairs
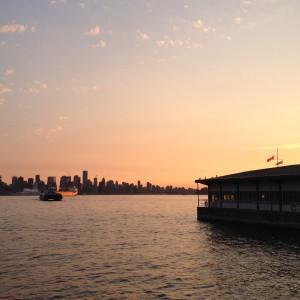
{"points": [[85, 185], [160, 91]]}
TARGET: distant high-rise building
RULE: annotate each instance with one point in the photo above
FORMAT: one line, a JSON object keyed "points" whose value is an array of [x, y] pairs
{"points": [[139, 186], [38, 184], [30, 183], [149, 187], [95, 186], [65, 182], [14, 183], [37, 178], [76, 181], [101, 186], [51, 182], [20, 184], [84, 180]]}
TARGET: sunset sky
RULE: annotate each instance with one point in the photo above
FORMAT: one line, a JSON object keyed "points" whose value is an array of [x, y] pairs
{"points": [[161, 91]]}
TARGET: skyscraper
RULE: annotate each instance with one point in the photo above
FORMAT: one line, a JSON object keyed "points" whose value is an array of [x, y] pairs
{"points": [[51, 182], [76, 181], [84, 181], [30, 183], [20, 184], [37, 179], [95, 185], [14, 183], [65, 182]]}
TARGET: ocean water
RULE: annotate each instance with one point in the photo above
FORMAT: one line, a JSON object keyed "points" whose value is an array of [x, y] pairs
{"points": [[138, 247]]}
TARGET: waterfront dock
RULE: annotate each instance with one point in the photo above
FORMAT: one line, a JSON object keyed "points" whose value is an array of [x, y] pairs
{"points": [[269, 197]]}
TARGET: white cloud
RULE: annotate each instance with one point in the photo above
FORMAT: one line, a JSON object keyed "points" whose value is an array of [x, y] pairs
{"points": [[82, 5], [237, 20], [13, 28], [4, 89], [273, 1], [85, 89], [143, 35], [161, 43], [198, 24], [167, 42], [2, 101], [55, 3], [9, 72], [94, 31], [48, 133], [209, 29], [99, 44], [37, 87], [55, 129]]}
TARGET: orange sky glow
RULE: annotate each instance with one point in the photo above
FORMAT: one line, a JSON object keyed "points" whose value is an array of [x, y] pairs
{"points": [[162, 92]]}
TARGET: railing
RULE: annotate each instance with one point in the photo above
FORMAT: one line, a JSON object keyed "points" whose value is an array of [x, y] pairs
{"points": [[202, 203], [262, 205]]}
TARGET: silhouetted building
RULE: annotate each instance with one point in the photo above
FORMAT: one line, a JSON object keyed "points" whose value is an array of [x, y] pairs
{"points": [[37, 179], [89, 187], [95, 186], [20, 184], [274, 189], [101, 186], [51, 182], [84, 181], [30, 183], [266, 197], [65, 182], [76, 181], [149, 187], [14, 184]]}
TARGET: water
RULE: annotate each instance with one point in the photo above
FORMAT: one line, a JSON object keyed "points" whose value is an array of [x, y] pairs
{"points": [[138, 247]]}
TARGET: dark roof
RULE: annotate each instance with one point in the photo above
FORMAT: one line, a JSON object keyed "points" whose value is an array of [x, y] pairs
{"points": [[270, 173]]}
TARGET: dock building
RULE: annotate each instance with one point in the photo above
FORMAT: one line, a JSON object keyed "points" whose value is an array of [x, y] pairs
{"points": [[270, 196]]}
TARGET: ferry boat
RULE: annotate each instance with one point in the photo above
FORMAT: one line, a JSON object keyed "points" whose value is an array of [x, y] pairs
{"points": [[50, 195]]}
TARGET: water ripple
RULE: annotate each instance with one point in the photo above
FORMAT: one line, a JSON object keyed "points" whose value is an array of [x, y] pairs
{"points": [[141, 247]]}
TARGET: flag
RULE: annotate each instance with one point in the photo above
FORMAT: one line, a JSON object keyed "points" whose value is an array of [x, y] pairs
{"points": [[271, 158], [279, 163]]}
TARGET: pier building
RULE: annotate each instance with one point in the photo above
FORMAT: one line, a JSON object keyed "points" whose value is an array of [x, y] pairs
{"points": [[269, 196]]}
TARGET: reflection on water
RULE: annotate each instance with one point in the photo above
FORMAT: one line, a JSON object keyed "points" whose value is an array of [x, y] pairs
{"points": [[138, 247], [274, 237]]}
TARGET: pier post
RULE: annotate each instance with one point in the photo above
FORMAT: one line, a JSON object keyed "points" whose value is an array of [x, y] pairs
{"points": [[280, 196], [238, 195], [198, 192], [257, 195], [209, 195], [221, 195], [271, 200]]}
